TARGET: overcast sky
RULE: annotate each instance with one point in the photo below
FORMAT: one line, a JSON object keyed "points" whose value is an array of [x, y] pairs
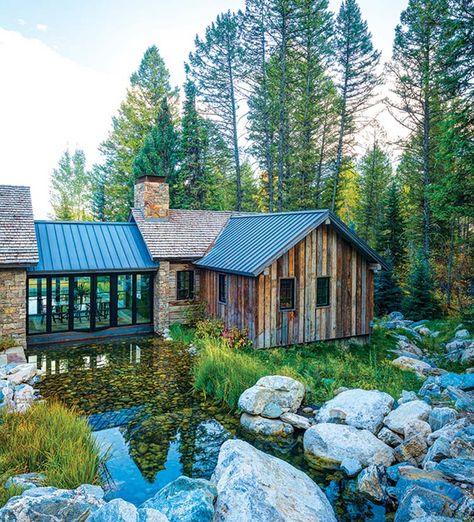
{"points": [[66, 65]]}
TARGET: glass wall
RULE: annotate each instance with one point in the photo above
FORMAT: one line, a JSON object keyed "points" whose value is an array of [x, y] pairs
{"points": [[57, 303]]}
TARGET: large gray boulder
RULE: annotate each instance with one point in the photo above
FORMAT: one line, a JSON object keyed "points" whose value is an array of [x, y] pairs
{"points": [[363, 409], [420, 502], [406, 413], [271, 396], [439, 417], [185, 500], [254, 486], [461, 470], [449, 430], [421, 368], [118, 510], [47, 504], [327, 445], [372, 483], [266, 427]]}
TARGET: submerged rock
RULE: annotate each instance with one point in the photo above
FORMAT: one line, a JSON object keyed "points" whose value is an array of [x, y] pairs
{"points": [[185, 500], [210, 435], [372, 483], [408, 412], [267, 427], [254, 486], [363, 409], [327, 445]]}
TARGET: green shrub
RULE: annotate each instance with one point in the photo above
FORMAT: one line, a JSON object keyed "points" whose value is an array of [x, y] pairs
{"points": [[49, 439], [209, 328], [7, 342]]}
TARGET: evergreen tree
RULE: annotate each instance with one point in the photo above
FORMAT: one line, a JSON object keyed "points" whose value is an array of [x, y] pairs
{"points": [[136, 117], [387, 291], [356, 61], [420, 303], [216, 66], [98, 184], [70, 187]]}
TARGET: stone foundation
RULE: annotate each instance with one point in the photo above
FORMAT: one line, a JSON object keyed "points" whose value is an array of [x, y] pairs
{"points": [[161, 297], [13, 304]]}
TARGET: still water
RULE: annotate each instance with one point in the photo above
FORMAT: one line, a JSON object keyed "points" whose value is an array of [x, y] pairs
{"points": [[137, 395]]}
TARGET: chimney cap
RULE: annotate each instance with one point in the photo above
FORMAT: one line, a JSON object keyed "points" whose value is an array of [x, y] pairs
{"points": [[152, 178]]}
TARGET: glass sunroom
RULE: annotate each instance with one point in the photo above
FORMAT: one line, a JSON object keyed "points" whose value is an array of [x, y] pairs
{"points": [[90, 277]]}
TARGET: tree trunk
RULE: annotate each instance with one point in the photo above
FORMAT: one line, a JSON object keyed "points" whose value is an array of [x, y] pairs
{"points": [[426, 178], [321, 159]]}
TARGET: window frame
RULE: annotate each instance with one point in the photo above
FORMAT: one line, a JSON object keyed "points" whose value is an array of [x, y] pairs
{"points": [[328, 303], [190, 296], [224, 278], [292, 308]]}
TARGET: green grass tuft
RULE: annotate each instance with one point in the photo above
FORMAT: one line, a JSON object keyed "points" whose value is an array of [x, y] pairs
{"points": [[181, 333]]}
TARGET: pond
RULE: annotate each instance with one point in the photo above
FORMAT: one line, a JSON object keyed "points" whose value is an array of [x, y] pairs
{"points": [[137, 395]]}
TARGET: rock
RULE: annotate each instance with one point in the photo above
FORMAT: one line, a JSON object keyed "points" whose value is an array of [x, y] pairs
{"points": [[363, 409], [254, 486], [421, 502], [421, 368], [21, 373], [396, 316], [417, 428], [267, 427], [465, 510], [47, 504], [297, 421], [468, 356], [185, 500], [464, 401], [351, 467], [409, 347], [469, 370], [463, 381], [372, 483], [340, 390], [449, 430], [462, 334], [439, 417], [407, 396], [210, 435], [397, 419], [461, 470], [411, 450], [389, 437], [26, 481], [118, 510], [271, 396], [430, 389], [308, 410], [423, 330], [393, 472], [462, 446], [151, 515], [327, 445], [441, 449], [23, 397]]}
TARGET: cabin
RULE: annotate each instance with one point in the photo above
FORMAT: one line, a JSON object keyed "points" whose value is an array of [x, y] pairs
{"points": [[286, 278]]}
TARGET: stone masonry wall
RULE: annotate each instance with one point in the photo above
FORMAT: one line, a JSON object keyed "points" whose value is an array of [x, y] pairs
{"points": [[13, 304], [161, 297], [153, 198]]}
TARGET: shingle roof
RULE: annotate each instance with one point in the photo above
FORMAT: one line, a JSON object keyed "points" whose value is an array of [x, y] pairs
{"points": [[71, 246], [187, 234], [248, 244], [17, 232]]}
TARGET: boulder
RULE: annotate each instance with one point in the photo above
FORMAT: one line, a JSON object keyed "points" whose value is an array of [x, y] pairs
{"points": [[26, 481], [409, 347], [389, 437], [118, 510], [23, 397], [408, 412], [297, 421], [210, 435], [351, 467], [462, 445], [420, 502], [441, 449], [363, 409], [185, 500], [21, 373], [393, 472], [47, 504], [396, 316], [417, 428], [461, 470], [258, 487], [430, 389], [271, 396], [421, 368], [327, 445], [463, 381], [439, 417], [449, 430], [372, 483], [463, 400], [411, 450], [462, 334], [467, 356], [267, 427], [407, 396]]}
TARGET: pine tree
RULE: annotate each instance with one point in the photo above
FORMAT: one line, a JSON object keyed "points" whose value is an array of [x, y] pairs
{"points": [[98, 184], [136, 117], [387, 291], [356, 61], [216, 66]]}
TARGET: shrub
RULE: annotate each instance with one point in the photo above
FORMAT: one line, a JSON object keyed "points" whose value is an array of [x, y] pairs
{"points": [[209, 328], [181, 333], [236, 339], [49, 439], [195, 313], [7, 342]]}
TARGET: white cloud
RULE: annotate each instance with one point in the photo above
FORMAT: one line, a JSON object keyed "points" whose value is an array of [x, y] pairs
{"points": [[21, 21], [42, 27], [48, 103]]}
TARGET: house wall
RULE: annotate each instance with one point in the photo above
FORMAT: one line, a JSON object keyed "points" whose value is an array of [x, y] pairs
{"points": [[179, 309], [253, 303], [13, 304]]}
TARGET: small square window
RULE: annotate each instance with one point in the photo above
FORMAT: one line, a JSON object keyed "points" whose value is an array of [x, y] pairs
{"points": [[322, 291], [222, 288], [287, 294], [185, 284]]}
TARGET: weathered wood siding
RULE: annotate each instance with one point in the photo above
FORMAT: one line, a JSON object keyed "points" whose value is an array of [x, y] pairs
{"points": [[178, 308], [253, 303]]}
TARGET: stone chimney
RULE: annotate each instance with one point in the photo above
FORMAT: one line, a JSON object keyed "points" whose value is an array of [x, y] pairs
{"points": [[152, 195]]}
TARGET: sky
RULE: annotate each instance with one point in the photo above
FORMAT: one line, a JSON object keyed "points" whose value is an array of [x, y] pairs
{"points": [[66, 66]]}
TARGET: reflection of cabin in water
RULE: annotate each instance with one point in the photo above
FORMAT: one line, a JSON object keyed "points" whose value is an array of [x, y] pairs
{"points": [[291, 277]]}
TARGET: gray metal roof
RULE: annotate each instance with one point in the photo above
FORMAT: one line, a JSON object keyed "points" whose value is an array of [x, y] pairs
{"points": [[69, 246], [248, 244]]}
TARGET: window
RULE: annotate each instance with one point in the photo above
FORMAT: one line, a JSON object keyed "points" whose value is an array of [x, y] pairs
{"points": [[143, 297], [37, 305], [287, 294], [185, 284], [59, 304], [124, 299], [222, 288], [102, 314], [322, 291], [82, 303]]}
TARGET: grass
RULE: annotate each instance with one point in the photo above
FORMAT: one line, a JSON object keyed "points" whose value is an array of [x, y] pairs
{"points": [[181, 333], [48, 439], [224, 373]]}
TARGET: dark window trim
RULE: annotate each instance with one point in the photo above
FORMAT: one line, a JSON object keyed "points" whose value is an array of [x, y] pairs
{"points": [[329, 292], [191, 285], [225, 278], [293, 308], [93, 275]]}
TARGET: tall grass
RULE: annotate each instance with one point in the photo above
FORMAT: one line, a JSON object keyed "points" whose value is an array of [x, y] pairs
{"points": [[181, 333], [224, 373], [52, 440]]}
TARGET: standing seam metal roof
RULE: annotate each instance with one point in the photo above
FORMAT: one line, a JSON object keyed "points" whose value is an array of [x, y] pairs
{"points": [[68, 246]]}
